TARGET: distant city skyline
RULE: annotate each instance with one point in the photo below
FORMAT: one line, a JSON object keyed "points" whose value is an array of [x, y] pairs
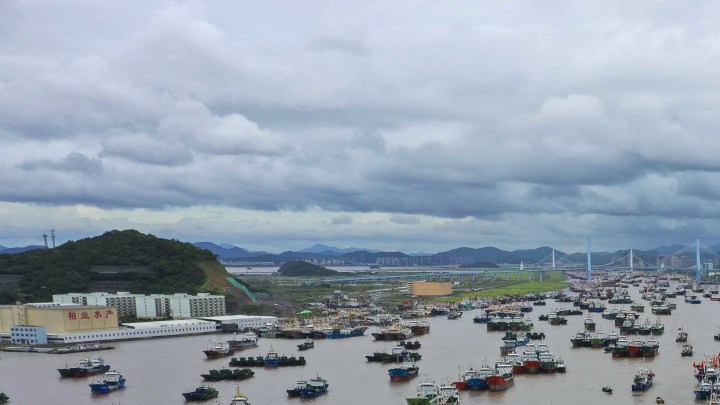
{"points": [[387, 125]]}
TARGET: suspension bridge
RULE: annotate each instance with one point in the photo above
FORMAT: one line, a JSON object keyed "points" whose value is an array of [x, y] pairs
{"points": [[553, 262]]}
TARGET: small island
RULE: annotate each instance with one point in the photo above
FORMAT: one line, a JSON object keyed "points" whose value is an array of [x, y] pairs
{"points": [[301, 268]]}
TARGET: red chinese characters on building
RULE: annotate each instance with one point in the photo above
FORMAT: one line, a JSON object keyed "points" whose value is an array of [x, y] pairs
{"points": [[98, 314], [108, 313], [84, 315], [72, 315]]}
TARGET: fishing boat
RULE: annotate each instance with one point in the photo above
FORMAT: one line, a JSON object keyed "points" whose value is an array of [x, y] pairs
{"points": [[643, 380], [503, 377], [476, 379], [307, 344], [239, 398], [85, 368], [418, 328], [607, 390], [454, 314], [425, 392], [406, 371], [220, 349], [295, 390], [227, 374], [314, 388], [429, 393], [447, 395], [113, 381], [682, 336], [272, 359], [201, 393], [393, 333], [589, 324], [410, 345], [4, 398], [687, 351], [340, 333], [244, 341]]}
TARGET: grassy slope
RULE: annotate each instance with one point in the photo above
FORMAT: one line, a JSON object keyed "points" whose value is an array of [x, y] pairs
{"points": [[216, 282], [552, 281]]}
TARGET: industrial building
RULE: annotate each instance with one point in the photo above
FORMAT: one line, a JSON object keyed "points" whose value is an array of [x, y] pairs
{"points": [[34, 324], [234, 323], [430, 288], [179, 305]]}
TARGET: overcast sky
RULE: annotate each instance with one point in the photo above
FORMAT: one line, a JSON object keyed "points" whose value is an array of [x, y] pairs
{"points": [[394, 125]]}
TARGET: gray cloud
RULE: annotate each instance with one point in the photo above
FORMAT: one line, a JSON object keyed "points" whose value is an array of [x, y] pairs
{"points": [[73, 162], [601, 114]]}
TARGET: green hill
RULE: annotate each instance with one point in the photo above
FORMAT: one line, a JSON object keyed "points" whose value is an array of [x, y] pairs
{"points": [[169, 267], [301, 268]]}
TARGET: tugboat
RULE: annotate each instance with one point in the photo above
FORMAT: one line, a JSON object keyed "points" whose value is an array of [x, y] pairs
{"points": [[85, 368], [643, 380], [406, 371], [221, 349], [239, 398], [315, 387], [113, 381], [201, 393]]}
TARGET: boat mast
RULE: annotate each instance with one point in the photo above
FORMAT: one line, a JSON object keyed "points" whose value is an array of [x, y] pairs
{"points": [[698, 270], [589, 261]]}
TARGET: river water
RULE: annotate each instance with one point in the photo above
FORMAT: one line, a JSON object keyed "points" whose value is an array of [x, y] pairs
{"points": [[159, 370]]}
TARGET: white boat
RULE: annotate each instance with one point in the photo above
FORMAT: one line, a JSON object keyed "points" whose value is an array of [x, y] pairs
{"points": [[239, 398]]}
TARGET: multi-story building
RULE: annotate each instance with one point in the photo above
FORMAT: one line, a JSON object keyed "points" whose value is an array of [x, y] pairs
{"points": [[151, 306]]}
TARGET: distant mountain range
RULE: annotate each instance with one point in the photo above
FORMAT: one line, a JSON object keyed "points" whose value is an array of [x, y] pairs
{"points": [[464, 255], [4, 249]]}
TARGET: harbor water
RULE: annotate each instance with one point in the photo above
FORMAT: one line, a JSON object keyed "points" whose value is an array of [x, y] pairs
{"points": [[158, 371]]}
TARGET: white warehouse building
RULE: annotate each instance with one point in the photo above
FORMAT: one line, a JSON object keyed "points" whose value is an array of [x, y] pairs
{"points": [[178, 305]]}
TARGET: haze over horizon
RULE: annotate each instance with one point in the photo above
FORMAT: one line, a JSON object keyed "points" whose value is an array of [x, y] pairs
{"points": [[418, 127]]}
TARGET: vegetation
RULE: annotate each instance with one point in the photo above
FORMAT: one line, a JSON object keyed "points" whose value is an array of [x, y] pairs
{"points": [[304, 269], [516, 286], [479, 265], [174, 266]]}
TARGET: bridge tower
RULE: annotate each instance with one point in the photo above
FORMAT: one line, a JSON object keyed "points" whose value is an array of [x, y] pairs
{"points": [[632, 262], [698, 268], [553, 258], [589, 261]]}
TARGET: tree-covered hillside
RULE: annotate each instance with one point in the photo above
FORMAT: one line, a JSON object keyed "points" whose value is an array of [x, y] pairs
{"points": [[173, 266], [301, 268]]}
